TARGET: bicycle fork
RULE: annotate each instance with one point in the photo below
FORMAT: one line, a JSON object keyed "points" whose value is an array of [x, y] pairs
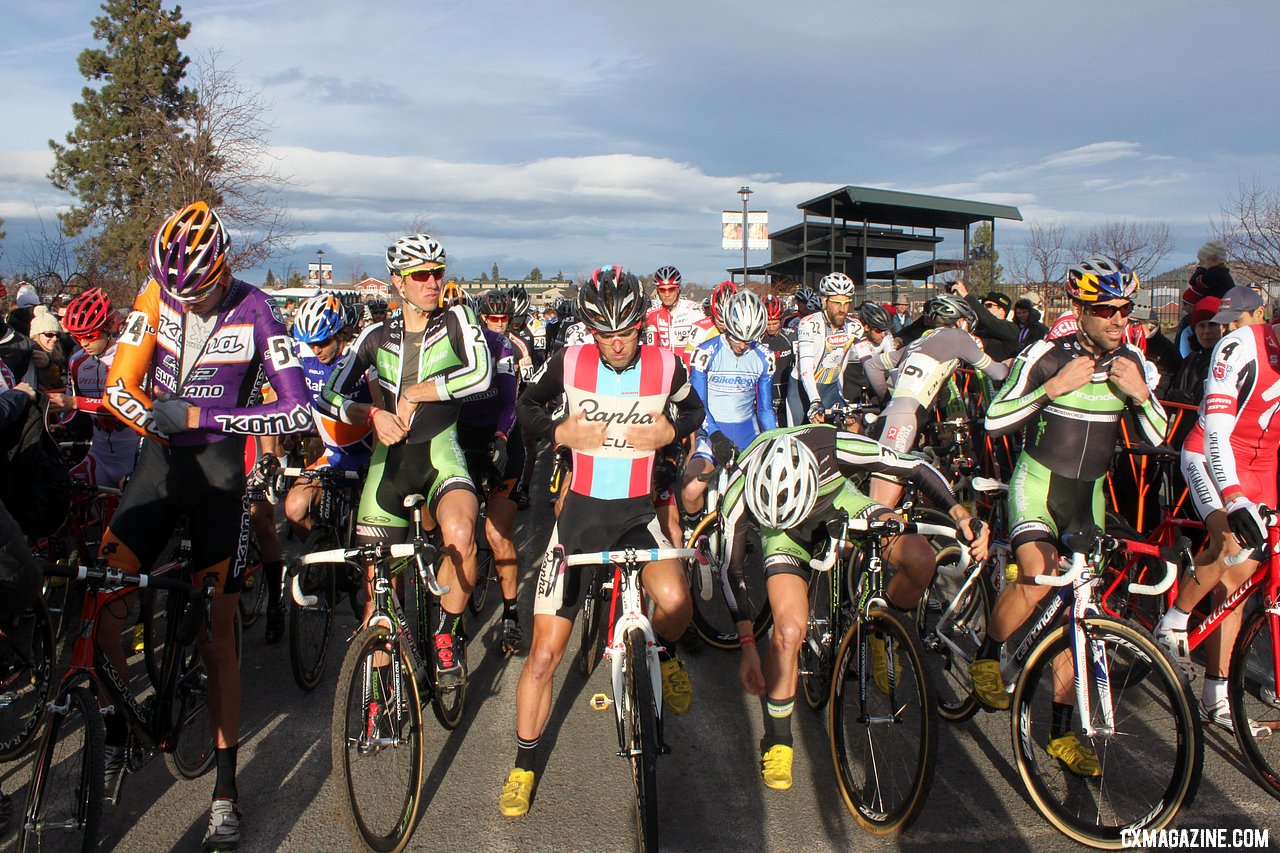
{"points": [[1089, 657]]}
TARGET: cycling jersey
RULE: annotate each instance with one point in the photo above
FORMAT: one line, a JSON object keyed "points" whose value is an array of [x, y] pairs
{"points": [[1075, 434], [1233, 430], [783, 348], [821, 353], [493, 409], [703, 331], [737, 391], [673, 328], [522, 353], [114, 448], [346, 446], [244, 345], [576, 334], [653, 382]]}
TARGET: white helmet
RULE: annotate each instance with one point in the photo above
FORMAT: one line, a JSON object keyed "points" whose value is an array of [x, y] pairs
{"points": [[782, 482], [745, 317], [414, 250], [836, 284]]}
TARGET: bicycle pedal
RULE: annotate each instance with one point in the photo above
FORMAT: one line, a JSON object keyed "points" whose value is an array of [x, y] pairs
{"points": [[600, 702]]}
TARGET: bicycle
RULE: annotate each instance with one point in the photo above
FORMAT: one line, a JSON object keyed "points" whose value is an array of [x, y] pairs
{"points": [[332, 523], [635, 674], [883, 744], [1128, 694], [27, 655], [66, 794], [712, 619], [377, 731]]}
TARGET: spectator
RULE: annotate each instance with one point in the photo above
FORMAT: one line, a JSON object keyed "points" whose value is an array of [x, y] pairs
{"points": [[1026, 316], [999, 337], [1161, 351], [1188, 383], [45, 331], [16, 350], [999, 304], [1211, 276], [20, 317]]}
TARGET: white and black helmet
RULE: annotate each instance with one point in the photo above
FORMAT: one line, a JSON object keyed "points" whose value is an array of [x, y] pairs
{"points": [[949, 309], [808, 300], [782, 482], [611, 300], [414, 250], [745, 317], [836, 284]]}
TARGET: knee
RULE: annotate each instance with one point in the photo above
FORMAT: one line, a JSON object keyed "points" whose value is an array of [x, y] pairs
{"points": [[542, 662], [459, 538], [297, 507], [788, 634]]}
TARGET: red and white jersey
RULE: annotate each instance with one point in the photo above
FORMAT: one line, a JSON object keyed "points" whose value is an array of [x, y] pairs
{"points": [[115, 447], [672, 328], [703, 330], [1234, 427]]}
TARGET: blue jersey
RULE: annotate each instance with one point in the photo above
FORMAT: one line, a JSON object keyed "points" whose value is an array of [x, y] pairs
{"points": [[736, 389], [346, 446]]}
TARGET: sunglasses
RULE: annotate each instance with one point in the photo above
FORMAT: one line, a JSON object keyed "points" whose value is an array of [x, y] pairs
{"points": [[424, 275], [497, 318], [1106, 312], [622, 335], [668, 288], [992, 305], [839, 300], [326, 342], [85, 338]]}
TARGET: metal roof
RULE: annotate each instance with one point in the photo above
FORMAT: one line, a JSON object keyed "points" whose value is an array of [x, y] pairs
{"points": [[891, 207]]}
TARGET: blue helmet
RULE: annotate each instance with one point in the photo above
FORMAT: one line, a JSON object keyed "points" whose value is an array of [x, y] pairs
{"points": [[319, 318]]}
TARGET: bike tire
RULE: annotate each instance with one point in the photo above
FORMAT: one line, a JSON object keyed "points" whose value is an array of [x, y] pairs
{"points": [[1251, 688], [949, 648], [485, 575], [253, 598], [65, 795], [27, 646], [311, 628], [448, 703], [192, 741], [884, 750], [642, 733], [1144, 780], [595, 618], [817, 653], [711, 618], [377, 815]]}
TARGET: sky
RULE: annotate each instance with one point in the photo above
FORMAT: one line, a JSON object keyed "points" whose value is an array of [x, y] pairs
{"points": [[567, 135]]}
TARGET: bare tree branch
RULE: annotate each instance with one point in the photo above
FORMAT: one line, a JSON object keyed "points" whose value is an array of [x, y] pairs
{"points": [[1250, 226], [1044, 256], [1139, 244]]}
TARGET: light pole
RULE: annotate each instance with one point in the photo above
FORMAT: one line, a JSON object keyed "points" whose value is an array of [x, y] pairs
{"points": [[320, 267], [745, 192]]}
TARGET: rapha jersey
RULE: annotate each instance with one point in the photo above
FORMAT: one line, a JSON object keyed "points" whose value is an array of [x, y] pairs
{"points": [[246, 345], [737, 390], [1234, 429], [822, 350], [347, 446], [672, 328]]}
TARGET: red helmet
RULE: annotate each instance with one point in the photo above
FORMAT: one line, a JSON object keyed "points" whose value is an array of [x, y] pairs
{"points": [[720, 297], [88, 314], [773, 305]]}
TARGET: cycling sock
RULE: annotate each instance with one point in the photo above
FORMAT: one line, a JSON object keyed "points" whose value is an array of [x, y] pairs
{"points": [[224, 788], [1060, 722], [274, 572], [777, 722], [450, 623], [526, 752], [1215, 690], [990, 649], [509, 609], [668, 650], [117, 729], [1174, 619]]}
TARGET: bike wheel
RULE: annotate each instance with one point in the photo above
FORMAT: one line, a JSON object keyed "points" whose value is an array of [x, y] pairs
{"points": [[951, 631], [376, 741], [253, 598], [311, 627], [818, 652], [64, 802], [1150, 764], [641, 719], [27, 654], [1251, 686], [711, 616], [485, 573], [884, 745], [595, 616], [192, 738]]}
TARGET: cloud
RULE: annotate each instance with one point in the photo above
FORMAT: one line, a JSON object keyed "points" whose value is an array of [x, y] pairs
{"points": [[1093, 154]]}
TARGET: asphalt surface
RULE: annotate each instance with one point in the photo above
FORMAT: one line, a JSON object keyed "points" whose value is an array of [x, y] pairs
{"points": [[711, 798]]}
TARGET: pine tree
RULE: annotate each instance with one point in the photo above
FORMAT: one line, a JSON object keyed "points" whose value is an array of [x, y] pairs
{"points": [[494, 274], [985, 271], [108, 162], [271, 280]]}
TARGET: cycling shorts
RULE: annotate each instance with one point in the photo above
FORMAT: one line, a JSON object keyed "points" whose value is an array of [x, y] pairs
{"points": [[204, 484], [787, 552], [1043, 506], [475, 445], [1205, 495], [589, 524], [432, 469]]}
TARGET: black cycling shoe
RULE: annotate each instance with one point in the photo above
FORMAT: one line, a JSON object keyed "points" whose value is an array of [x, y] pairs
{"points": [[275, 625], [511, 636], [113, 771]]}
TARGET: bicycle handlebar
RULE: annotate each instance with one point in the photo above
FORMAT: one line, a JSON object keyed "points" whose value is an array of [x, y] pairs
{"points": [[317, 473], [1247, 553], [116, 577], [888, 526], [629, 556], [368, 552], [1088, 549]]}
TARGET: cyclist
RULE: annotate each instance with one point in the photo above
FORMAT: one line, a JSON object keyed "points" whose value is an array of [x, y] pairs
{"points": [[427, 357], [93, 324], [875, 340], [1229, 461], [806, 301], [733, 376], [781, 341], [712, 324], [1069, 394], [186, 374], [912, 378], [670, 322], [794, 481], [377, 309], [824, 340], [619, 393], [518, 334], [347, 447], [495, 455]]}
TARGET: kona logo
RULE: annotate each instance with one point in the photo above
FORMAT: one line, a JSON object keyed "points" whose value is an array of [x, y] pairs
{"points": [[224, 345], [296, 420], [633, 416]]}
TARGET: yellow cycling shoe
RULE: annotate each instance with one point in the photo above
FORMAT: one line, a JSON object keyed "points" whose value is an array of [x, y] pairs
{"points": [[988, 685], [1079, 758], [880, 663], [516, 793], [776, 767], [677, 693]]}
